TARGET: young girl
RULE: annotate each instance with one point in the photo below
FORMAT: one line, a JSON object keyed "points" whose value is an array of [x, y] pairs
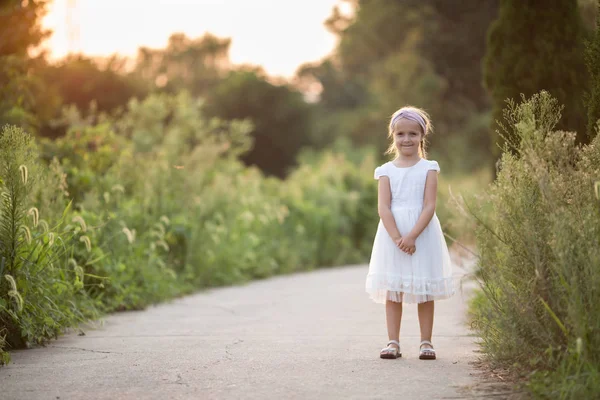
{"points": [[410, 261]]}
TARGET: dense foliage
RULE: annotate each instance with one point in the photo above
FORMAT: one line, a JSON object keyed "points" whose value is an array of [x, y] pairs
{"points": [[161, 205], [540, 251], [551, 60]]}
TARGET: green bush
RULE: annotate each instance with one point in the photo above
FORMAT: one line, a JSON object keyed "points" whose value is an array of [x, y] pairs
{"points": [[539, 255]]}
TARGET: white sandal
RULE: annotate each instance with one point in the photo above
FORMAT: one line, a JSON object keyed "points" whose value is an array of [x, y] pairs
{"points": [[391, 352], [426, 354]]}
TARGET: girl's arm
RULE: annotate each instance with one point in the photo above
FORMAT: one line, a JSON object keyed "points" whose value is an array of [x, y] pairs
{"points": [[429, 201], [384, 203]]}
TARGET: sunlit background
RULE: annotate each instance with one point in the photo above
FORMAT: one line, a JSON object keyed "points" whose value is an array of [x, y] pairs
{"points": [[277, 35]]}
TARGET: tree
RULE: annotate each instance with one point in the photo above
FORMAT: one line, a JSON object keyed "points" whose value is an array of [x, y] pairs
{"points": [[84, 82], [338, 98], [81, 80], [592, 99], [380, 28], [280, 116], [455, 45], [20, 28], [195, 65], [23, 99], [533, 46]]}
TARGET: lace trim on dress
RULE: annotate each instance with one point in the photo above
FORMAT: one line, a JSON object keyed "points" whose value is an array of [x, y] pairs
{"points": [[409, 290]]}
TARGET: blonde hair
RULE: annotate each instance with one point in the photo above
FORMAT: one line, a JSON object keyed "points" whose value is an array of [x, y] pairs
{"points": [[425, 121]]}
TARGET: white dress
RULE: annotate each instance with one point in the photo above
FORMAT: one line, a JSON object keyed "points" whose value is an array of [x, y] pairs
{"points": [[427, 274]]}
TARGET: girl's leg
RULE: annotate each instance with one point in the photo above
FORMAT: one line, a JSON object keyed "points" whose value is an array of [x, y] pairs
{"points": [[426, 321], [393, 316]]}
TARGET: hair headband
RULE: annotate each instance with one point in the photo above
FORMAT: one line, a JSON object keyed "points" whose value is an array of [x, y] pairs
{"points": [[412, 116]]}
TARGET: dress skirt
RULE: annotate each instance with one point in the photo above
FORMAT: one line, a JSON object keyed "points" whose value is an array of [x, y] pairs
{"points": [[423, 276]]}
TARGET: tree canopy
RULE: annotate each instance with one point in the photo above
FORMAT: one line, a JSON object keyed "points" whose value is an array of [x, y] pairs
{"points": [[195, 65], [22, 96], [534, 46], [280, 116], [20, 27]]}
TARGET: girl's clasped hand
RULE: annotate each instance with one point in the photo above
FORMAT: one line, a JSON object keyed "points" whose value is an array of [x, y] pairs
{"points": [[406, 244]]}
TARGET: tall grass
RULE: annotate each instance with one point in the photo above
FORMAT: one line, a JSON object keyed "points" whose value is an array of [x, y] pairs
{"points": [[40, 288], [540, 255]]}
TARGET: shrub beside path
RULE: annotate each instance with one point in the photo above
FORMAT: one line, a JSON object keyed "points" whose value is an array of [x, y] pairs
{"points": [[313, 335]]}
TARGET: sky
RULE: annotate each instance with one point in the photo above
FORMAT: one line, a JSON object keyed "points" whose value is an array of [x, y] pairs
{"points": [[279, 35]]}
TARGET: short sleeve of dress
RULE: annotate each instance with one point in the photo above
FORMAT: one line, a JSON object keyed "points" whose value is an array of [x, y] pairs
{"points": [[381, 171], [433, 165]]}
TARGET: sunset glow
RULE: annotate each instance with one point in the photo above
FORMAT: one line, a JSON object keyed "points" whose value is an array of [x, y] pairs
{"points": [[280, 35]]}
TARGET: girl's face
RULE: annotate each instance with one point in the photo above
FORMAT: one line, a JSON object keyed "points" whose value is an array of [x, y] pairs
{"points": [[407, 137]]}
